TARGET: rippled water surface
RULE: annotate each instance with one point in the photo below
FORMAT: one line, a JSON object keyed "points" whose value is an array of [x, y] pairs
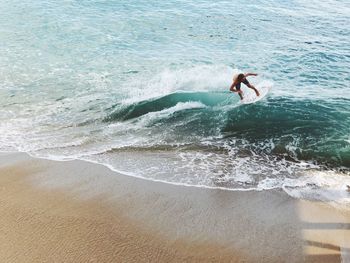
{"points": [[143, 88]]}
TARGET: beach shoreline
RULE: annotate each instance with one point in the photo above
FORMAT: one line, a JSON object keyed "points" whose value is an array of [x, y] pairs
{"points": [[76, 211]]}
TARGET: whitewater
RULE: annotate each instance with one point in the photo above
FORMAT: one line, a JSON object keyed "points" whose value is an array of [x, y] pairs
{"points": [[143, 88]]}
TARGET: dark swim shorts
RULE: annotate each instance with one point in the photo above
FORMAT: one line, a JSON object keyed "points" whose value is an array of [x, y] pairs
{"points": [[238, 85]]}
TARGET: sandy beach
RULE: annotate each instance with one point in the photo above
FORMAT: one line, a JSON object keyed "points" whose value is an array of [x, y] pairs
{"points": [[76, 211]]}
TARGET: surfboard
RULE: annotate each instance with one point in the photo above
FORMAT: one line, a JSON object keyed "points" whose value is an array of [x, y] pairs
{"points": [[250, 97]]}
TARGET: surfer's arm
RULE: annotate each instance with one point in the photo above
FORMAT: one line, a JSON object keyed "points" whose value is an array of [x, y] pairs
{"points": [[250, 74]]}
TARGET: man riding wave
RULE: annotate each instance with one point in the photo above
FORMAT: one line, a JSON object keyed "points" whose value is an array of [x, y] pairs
{"points": [[242, 78]]}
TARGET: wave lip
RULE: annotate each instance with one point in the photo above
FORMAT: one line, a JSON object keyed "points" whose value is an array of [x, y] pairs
{"points": [[123, 112]]}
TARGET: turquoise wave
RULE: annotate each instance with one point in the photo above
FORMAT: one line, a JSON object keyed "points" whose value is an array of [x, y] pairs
{"points": [[125, 112], [309, 129], [295, 129]]}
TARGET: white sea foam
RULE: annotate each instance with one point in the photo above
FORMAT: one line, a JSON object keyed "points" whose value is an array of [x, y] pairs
{"points": [[327, 186], [198, 78], [181, 106]]}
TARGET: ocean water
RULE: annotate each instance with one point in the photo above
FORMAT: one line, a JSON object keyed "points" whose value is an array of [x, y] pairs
{"points": [[142, 87]]}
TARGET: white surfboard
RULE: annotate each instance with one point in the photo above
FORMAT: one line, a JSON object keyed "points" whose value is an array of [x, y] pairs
{"points": [[250, 97]]}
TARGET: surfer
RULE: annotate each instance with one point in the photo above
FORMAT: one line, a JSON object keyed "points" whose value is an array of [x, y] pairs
{"points": [[242, 78]]}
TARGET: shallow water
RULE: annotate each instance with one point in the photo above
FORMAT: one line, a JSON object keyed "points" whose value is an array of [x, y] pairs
{"points": [[143, 88]]}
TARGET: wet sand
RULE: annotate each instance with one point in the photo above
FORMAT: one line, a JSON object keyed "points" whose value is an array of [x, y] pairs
{"points": [[77, 211]]}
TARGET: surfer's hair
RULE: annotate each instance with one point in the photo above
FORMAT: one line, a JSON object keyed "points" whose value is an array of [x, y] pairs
{"points": [[240, 77]]}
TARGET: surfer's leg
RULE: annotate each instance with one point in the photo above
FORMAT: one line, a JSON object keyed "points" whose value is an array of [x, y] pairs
{"points": [[256, 91], [238, 88], [252, 87]]}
